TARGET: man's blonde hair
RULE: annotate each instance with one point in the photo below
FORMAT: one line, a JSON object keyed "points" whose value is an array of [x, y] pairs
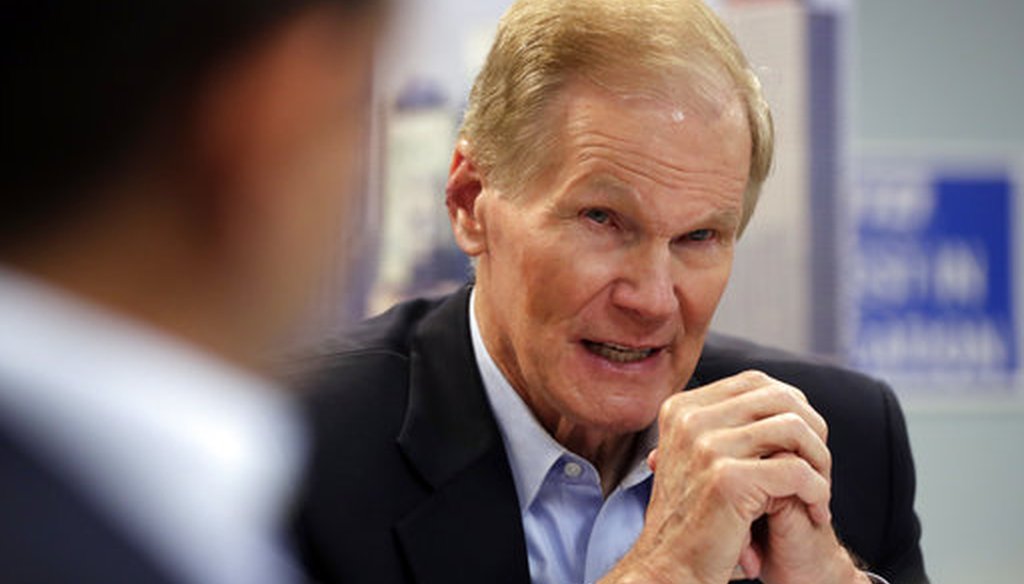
{"points": [[542, 44]]}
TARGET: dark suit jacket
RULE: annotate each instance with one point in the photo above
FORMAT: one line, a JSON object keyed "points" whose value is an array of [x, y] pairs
{"points": [[51, 534], [410, 481]]}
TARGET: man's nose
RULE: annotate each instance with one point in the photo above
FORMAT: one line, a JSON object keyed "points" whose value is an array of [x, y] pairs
{"points": [[646, 287]]}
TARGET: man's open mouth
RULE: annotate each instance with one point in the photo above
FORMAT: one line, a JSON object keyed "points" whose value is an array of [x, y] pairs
{"points": [[618, 353]]}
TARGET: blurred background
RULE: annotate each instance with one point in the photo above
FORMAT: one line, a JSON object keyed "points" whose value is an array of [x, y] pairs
{"points": [[890, 231]]}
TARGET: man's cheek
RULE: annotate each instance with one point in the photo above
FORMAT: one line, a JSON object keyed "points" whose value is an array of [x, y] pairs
{"points": [[700, 293]]}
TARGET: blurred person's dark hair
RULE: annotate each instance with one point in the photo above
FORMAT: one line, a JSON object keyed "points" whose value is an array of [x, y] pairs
{"points": [[88, 87]]}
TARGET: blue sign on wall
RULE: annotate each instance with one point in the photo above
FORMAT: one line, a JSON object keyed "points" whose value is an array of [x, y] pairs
{"points": [[931, 279]]}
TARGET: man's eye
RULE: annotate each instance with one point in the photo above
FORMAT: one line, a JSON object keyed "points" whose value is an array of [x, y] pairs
{"points": [[700, 235], [598, 216]]}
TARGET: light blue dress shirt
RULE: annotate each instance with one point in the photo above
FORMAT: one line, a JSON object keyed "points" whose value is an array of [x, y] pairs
{"points": [[573, 534]]}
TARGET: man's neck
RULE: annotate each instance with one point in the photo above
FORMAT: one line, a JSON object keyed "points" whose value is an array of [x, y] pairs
{"points": [[611, 454]]}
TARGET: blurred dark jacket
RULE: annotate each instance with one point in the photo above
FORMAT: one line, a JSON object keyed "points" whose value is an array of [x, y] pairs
{"points": [[52, 534]]}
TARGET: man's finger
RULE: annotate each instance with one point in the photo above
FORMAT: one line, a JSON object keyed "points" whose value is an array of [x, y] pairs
{"points": [[764, 402], [751, 485], [728, 388], [736, 401], [783, 433], [749, 563]]}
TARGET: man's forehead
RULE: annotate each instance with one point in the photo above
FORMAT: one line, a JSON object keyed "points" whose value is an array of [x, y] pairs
{"points": [[635, 107], [652, 123], [677, 92]]}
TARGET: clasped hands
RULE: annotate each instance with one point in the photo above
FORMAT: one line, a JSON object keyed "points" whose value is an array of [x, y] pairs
{"points": [[745, 449]]}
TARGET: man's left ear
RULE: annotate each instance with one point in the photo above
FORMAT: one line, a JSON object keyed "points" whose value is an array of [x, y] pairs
{"points": [[465, 185]]}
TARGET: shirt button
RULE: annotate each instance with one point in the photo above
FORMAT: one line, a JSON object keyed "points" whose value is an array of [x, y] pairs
{"points": [[572, 470]]}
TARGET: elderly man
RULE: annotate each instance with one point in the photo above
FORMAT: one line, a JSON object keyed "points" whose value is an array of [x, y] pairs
{"points": [[534, 426], [174, 174]]}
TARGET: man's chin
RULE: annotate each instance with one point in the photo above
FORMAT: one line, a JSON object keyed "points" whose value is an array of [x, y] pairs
{"points": [[616, 417]]}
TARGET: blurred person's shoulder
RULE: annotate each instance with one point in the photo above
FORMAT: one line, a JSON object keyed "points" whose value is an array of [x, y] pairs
{"points": [[37, 495]]}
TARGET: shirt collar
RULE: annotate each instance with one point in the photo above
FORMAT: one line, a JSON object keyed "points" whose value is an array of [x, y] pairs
{"points": [[194, 458], [532, 451]]}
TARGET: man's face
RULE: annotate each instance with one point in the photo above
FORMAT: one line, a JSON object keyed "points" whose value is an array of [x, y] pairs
{"points": [[597, 283]]}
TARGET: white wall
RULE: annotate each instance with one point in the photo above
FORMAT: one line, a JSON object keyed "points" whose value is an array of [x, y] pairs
{"points": [[950, 73]]}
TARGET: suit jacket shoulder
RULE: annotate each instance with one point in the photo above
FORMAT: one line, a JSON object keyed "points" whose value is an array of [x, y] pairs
{"points": [[873, 479], [409, 480]]}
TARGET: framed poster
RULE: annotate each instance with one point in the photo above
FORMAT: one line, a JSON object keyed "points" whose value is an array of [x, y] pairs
{"points": [[931, 272]]}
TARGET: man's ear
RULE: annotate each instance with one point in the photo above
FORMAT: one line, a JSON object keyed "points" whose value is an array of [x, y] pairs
{"points": [[465, 185]]}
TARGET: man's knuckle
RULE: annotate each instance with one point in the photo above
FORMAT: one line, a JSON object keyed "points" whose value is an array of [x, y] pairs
{"points": [[792, 395], [792, 422], [691, 420], [755, 377], [799, 473], [667, 411], [705, 449], [809, 480], [777, 394], [722, 475], [747, 436], [685, 421]]}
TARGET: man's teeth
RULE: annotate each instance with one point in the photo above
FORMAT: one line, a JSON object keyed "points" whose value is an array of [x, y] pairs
{"points": [[618, 353]]}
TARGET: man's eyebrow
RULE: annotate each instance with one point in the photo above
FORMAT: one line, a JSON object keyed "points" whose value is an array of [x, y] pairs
{"points": [[723, 218], [725, 215], [607, 185]]}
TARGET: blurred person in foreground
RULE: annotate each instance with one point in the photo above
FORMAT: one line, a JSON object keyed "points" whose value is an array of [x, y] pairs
{"points": [[173, 175], [534, 425]]}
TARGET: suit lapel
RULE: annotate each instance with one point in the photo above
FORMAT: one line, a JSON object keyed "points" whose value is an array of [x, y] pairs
{"points": [[469, 527]]}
